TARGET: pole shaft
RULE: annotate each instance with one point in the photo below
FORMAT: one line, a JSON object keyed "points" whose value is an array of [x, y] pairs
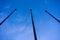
{"points": [[35, 37], [7, 16], [52, 16]]}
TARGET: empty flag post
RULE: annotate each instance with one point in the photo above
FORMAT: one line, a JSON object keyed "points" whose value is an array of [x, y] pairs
{"points": [[7, 16], [34, 30], [52, 16]]}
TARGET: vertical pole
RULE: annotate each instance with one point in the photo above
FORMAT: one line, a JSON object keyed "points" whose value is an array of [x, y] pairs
{"points": [[7, 16], [35, 37]]}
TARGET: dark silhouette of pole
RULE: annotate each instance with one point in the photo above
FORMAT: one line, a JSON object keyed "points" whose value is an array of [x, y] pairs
{"points": [[52, 16], [35, 36], [7, 16]]}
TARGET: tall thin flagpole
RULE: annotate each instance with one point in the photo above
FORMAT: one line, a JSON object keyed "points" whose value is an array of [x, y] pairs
{"points": [[34, 30], [52, 16], [7, 16]]}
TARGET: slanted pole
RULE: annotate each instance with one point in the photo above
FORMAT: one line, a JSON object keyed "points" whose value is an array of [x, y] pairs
{"points": [[52, 16], [34, 30], [7, 16]]}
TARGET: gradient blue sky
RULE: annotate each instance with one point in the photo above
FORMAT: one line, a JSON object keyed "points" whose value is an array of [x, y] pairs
{"points": [[19, 26]]}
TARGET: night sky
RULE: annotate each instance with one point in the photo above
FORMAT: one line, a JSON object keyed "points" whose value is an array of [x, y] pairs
{"points": [[19, 26]]}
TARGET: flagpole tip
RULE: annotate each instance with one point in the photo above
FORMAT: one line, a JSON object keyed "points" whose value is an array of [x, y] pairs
{"points": [[45, 10], [15, 8], [30, 9]]}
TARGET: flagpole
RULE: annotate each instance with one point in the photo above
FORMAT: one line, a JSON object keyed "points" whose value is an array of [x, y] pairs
{"points": [[7, 16], [52, 16], [34, 30]]}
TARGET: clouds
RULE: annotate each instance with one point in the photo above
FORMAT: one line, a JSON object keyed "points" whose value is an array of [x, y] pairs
{"points": [[50, 34], [46, 1], [3, 3], [15, 29], [2, 16], [27, 35], [18, 26], [18, 33]]}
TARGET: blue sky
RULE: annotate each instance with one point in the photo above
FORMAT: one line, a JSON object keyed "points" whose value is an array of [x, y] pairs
{"points": [[19, 26]]}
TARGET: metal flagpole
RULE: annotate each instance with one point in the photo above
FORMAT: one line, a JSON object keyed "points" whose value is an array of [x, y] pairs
{"points": [[35, 36], [52, 16], [7, 16]]}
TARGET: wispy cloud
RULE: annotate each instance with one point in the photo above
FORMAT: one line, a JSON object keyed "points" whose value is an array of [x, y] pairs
{"points": [[51, 33], [27, 35], [7, 7], [18, 33], [46, 1]]}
